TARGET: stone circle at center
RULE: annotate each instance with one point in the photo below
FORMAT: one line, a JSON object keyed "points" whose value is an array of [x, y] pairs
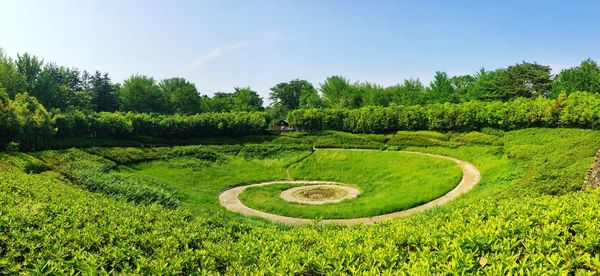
{"points": [[319, 194]]}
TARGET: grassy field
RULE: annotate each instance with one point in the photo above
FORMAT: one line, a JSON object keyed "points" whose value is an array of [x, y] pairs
{"points": [[528, 214], [388, 181], [199, 186]]}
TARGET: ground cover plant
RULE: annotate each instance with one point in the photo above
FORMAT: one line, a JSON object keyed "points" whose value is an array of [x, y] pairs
{"points": [[388, 181], [528, 215]]}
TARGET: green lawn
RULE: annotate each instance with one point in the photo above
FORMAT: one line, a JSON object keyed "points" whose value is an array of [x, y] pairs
{"points": [[198, 187], [388, 181]]}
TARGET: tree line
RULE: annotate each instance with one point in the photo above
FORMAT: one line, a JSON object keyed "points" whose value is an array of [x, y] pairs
{"points": [[41, 100], [59, 89]]}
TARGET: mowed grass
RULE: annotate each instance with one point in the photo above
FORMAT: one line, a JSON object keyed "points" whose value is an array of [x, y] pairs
{"points": [[198, 187], [389, 181]]}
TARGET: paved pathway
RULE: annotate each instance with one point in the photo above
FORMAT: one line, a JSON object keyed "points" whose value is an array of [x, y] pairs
{"points": [[229, 198]]}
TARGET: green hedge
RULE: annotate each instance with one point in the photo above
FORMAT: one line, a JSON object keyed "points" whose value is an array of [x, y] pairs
{"points": [[578, 110], [104, 124]]}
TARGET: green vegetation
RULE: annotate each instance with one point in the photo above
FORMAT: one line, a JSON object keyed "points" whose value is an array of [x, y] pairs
{"points": [[99, 177], [199, 183], [42, 103], [528, 215], [575, 110], [388, 181]]}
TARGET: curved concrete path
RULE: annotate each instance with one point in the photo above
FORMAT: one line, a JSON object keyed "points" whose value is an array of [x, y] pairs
{"points": [[229, 198]]}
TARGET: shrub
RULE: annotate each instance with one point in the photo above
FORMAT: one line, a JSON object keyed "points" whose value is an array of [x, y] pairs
{"points": [[477, 138], [95, 174], [418, 138], [580, 110]]}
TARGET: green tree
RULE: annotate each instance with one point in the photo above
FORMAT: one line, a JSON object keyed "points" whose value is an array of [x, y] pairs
{"points": [[220, 102], [30, 67], [11, 79], [183, 95], [489, 85], [441, 89], [141, 94], [461, 86], [34, 122], [246, 99], [8, 121], [375, 95], [294, 94], [585, 77], [104, 93], [338, 92], [410, 92], [527, 80]]}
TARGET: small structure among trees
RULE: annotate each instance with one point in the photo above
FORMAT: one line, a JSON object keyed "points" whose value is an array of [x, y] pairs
{"points": [[282, 125]]}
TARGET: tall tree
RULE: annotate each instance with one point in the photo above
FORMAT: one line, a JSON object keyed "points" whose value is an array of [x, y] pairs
{"points": [[585, 77], [461, 86], [104, 93], [489, 85], [141, 94], [11, 79], [411, 92], [441, 89], [375, 95], [30, 67], [220, 102], [246, 99], [528, 80], [294, 94], [338, 92], [182, 94]]}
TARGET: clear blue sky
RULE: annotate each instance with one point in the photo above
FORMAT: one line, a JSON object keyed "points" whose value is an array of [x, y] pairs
{"points": [[222, 44]]}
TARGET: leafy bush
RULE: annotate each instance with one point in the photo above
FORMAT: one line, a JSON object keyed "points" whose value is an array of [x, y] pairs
{"points": [[94, 173], [418, 138], [580, 110], [477, 138], [119, 125], [130, 155], [23, 162]]}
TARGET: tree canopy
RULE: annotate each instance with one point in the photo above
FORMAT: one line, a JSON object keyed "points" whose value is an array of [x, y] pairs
{"points": [[61, 89]]}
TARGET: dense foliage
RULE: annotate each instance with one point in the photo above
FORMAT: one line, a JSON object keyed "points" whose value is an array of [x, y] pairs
{"points": [[104, 124], [508, 225], [578, 110], [40, 101], [59, 89]]}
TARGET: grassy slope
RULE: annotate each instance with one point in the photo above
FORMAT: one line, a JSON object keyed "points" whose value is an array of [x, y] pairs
{"points": [[389, 181], [511, 223], [199, 187]]}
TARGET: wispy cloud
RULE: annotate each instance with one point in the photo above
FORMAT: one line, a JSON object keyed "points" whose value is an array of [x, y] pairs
{"points": [[215, 53]]}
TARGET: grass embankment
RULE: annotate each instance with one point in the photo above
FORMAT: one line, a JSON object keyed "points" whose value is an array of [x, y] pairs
{"points": [[200, 185], [388, 181]]}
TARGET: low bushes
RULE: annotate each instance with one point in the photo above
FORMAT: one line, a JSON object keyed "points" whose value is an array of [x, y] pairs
{"points": [[48, 226], [96, 175]]}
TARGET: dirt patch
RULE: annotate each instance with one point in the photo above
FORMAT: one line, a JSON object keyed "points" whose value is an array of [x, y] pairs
{"points": [[319, 194], [592, 179]]}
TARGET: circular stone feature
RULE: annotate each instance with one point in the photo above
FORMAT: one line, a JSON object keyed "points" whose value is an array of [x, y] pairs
{"points": [[319, 194]]}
